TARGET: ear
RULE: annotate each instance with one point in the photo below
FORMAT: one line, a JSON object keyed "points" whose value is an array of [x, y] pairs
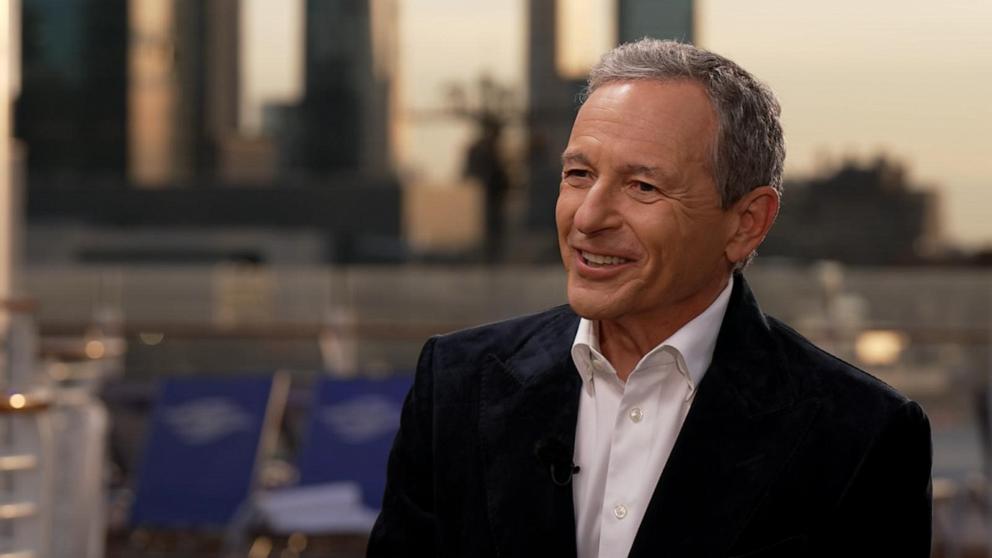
{"points": [[755, 213]]}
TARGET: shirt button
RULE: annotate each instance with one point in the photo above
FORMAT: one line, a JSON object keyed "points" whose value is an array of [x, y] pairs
{"points": [[636, 414], [620, 511]]}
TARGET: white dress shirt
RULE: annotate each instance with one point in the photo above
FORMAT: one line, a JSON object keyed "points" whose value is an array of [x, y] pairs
{"points": [[625, 431]]}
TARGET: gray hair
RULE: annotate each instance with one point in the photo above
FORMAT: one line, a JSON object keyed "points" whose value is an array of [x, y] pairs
{"points": [[750, 149]]}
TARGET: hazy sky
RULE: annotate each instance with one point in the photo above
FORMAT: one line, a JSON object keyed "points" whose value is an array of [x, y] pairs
{"points": [[909, 77], [912, 78]]}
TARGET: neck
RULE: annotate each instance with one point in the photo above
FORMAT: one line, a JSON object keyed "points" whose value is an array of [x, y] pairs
{"points": [[624, 341]]}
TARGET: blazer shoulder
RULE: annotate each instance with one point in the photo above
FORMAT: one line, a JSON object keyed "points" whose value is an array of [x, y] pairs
{"points": [[841, 382]]}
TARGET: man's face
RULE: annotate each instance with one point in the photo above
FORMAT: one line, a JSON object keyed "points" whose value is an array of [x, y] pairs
{"points": [[640, 224]]}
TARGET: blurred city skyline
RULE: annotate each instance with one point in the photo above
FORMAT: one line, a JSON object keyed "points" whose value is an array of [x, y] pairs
{"points": [[908, 79], [204, 190]]}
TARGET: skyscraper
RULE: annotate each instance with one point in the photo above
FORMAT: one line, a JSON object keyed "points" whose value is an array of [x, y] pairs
{"points": [[671, 19], [349, 64], [127, 90], [183, 89], [72, 108]]}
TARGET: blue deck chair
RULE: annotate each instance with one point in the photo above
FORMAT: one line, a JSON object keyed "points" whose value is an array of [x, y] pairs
{"points": [[202, 449], [351, 428]]}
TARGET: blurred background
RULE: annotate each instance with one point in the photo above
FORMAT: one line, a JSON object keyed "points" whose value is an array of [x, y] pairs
{"points": [[228, 226]]}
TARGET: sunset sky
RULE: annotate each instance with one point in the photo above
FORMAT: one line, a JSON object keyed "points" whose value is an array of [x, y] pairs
{"points": [[910, 78]]}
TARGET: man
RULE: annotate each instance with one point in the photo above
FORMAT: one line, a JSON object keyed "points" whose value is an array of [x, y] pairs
{"points": [[660, 413]]}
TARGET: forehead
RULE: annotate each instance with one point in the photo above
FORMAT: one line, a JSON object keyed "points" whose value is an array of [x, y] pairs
{"points": [[646, 119]]}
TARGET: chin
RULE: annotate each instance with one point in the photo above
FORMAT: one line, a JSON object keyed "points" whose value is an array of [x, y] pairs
{"points": [[593, 306]]}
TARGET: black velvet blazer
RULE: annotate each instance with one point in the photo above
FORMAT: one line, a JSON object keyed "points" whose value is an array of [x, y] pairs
{"points": [[786, 451]]}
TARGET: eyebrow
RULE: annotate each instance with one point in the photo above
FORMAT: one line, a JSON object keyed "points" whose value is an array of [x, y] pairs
{"points": [[653, 172], [628, 169], [574, 157]]}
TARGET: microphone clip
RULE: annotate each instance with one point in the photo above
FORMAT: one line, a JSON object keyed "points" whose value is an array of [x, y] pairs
{"points": [[568, 477], [557, 456]]}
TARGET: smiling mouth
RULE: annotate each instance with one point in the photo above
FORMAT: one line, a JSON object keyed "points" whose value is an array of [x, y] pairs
{"points": [[599, 260]]}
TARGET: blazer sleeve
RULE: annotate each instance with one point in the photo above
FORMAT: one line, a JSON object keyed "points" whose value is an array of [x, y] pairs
{"points": [[406, 526], [886, 508]]}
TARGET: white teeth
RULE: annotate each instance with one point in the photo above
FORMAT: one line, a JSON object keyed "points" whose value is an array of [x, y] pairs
{"points": [[602, 260]]}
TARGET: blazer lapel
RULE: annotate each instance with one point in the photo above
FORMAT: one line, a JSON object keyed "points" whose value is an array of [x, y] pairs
{"points": [[529, 407], [746, 419]]}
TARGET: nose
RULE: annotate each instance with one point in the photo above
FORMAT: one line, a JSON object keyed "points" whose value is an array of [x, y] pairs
{"points": [[598, 211]]}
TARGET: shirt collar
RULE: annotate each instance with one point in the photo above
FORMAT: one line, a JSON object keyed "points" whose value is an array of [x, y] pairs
{"points": [[693, 343], [586, 343]]}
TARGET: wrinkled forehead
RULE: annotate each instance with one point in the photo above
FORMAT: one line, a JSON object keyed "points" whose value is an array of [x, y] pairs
{"points": [[667, 118]]}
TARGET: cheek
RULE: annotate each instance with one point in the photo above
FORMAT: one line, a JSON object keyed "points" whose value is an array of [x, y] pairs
{"points": [[658, 233], [563, 221]]}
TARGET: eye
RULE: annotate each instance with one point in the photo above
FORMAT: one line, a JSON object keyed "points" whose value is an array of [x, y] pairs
{"points": [[576, 177], [643, 191]]}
